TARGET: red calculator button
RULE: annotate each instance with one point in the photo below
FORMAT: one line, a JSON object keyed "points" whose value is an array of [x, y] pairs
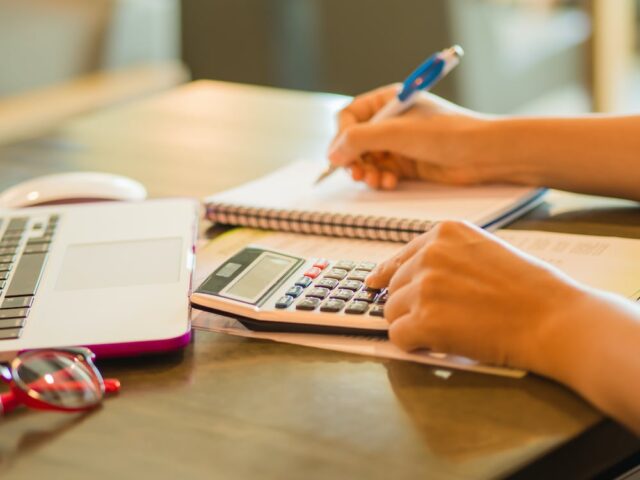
{"points": [[321, 263], [313, 272]]}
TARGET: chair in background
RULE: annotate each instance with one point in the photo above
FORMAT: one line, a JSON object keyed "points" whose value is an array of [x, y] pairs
{"points": [[63, 57]]}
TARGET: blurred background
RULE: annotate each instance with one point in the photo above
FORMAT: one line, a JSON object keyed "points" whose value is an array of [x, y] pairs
{"points": [[63, 57]]}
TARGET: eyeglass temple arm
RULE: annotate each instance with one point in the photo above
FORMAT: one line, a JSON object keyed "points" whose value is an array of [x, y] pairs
{"points": [[8, 402]]}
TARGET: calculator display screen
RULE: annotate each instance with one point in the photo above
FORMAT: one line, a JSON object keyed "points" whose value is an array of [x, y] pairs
{"points": [[257, 279]]}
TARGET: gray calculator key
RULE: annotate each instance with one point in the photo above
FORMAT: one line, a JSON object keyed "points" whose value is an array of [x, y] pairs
{"points": [[284, 302], [359, 275], [377, 311], [7, 258], [342, 294], [329, 283], [303, 282], [5, 267], [332, 305], [357, 308], [318, 292], [308, 303], [382, 297], [11, 323], [10, 333], [14, 313], [295, 291], [345, 264], [27, 275], [337, 273], [354, 285], [366, 295], [368, 266], [16, 302]]}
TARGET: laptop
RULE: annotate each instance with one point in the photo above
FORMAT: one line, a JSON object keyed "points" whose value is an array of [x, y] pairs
{"points": [[113, 276]]}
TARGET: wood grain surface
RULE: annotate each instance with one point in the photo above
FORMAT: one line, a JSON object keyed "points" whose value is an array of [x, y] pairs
{"points": [[231, 408]]}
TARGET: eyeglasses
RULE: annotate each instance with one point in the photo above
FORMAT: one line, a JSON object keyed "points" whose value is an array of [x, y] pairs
{"points": [[61, 379]]}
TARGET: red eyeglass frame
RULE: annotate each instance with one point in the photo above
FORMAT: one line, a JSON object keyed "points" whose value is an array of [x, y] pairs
{"points": [[21, 393]]}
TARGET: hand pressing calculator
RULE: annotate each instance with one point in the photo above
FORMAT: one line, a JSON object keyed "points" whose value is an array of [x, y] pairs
{"points": [[268, 290]]}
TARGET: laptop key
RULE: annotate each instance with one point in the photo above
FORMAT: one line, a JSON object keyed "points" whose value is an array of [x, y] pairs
{"points": [[11, 323], [8, 250], [27, 275], [7, 258], [4, 275], [5, 267], [2, 284], [17, 223], [16, 302], [10, 333], [14, 313], [40, 248]]}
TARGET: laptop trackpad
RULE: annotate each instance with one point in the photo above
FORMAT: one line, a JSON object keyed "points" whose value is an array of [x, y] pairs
{"points": [[121, 264]]}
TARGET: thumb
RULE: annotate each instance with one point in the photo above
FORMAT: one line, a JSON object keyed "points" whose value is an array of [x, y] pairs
{"points": [[381, 275]]}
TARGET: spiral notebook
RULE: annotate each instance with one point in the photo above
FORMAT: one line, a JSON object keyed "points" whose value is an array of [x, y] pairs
{"points": [[288, 200]]}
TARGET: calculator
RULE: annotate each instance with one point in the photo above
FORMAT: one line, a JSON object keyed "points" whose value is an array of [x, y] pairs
{"points": [[275, 291]]}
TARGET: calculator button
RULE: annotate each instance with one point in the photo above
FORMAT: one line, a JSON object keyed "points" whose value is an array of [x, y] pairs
{"points": [[318, 292], [321, 263], [345, 264], [333, 305], [303, 282], [357, 308], [365, 296], [329, 283], [313, 272], [359, 275], [308, 303], [368, 266], [377, 311], [295, 291], [337, 273], [382, 297], [342, 294], [354, 285], [284, 302]]}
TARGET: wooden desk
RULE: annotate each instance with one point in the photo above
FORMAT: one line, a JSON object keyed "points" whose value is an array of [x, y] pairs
{"points": [[234, 408]]}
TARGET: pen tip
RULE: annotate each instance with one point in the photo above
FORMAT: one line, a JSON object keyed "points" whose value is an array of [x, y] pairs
{"points": [[458, 51]]}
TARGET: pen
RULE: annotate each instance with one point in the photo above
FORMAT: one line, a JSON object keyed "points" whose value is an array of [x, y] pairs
{"points": [[422, 78]]}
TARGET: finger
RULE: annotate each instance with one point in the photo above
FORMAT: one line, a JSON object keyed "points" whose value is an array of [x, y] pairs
{"points": [[399, 304], [381, 275], [388, 180], [365, 106], [357, 172], [358, 139], [408, 333], [372, 176]]}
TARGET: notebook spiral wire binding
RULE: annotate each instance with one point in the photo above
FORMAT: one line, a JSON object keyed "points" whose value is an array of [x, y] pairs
{"points": [[319, 223]]}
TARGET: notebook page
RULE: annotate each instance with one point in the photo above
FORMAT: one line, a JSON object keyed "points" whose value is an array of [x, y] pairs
{"points": [[292, 188]]}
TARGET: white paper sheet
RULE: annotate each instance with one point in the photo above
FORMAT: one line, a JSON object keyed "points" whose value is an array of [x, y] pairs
{"points": [[604, 262]]}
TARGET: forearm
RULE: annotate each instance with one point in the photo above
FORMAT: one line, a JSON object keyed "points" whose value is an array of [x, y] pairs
{"points": [[593, 347], [593, 154]]}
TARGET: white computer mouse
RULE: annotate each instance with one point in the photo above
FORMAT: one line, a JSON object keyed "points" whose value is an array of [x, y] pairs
{"points": [[74, 187]]}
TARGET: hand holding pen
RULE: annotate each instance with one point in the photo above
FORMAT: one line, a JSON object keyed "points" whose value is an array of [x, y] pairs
{"points": [[423, 78]]}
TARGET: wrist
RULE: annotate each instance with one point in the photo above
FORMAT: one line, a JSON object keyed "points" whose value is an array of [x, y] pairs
{"points": [[508, 146]]}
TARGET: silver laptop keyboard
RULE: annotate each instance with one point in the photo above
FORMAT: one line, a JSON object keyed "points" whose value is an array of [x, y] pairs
{"points": [[24, 247]]}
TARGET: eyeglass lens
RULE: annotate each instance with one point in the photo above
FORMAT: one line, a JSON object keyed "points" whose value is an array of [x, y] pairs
{"points": [[59, 379]]}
